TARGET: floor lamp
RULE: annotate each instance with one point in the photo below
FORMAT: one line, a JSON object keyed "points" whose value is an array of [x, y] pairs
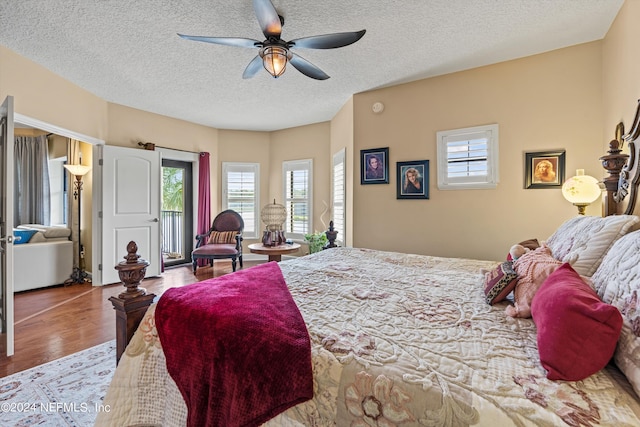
{"points": [[78, 275]]}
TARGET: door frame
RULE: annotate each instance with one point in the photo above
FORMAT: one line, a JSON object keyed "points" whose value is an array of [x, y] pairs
{"points": [[96, 242], [7, 326], [96, 176], [194, 159]]}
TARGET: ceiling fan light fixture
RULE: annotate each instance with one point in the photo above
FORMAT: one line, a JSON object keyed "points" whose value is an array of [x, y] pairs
{"points": [[274, 59]]}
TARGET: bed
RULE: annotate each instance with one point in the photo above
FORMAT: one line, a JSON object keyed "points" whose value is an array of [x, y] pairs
{"points": [[411, 340]]}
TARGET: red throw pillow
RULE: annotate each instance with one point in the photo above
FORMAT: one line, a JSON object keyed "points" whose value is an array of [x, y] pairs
{"points": [[577, 332]]}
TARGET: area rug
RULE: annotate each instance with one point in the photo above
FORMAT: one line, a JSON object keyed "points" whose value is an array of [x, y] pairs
{"points": [[65, 392]]}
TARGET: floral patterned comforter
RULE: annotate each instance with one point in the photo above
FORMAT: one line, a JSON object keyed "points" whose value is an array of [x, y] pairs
{"points": [[397, 340]]}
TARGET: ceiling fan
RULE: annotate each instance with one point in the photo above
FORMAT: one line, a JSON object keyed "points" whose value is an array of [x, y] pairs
{"points": [[274, 52]]}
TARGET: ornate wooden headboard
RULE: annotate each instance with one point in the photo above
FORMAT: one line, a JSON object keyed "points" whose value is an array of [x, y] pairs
{"points": [[623, 169]]}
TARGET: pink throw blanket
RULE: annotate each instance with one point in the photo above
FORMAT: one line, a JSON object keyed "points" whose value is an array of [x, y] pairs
{"points": [[236, 346]]}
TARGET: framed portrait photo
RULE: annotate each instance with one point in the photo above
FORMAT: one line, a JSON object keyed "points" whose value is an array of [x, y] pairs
{"points": [[413, 179], [374, 166], [544, 169]]}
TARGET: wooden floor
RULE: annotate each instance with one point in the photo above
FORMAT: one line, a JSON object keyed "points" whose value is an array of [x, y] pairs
{"points": [[55, 322]]}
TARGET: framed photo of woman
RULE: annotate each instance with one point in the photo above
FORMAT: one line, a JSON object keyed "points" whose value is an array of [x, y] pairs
{"points": [[413, 179], [374, 166]]}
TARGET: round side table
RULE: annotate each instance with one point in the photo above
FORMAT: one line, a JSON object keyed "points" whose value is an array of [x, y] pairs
{"points": [[274, 252]]}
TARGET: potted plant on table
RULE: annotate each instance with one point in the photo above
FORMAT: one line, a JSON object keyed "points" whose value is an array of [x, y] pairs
{"points": [[316, 241]]}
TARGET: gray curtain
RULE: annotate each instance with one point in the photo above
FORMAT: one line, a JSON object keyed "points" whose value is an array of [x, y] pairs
{"points": [[32, 195]]}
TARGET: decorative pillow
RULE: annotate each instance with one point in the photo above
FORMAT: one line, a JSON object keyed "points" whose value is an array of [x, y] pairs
{"points": [[531, 244], [38, 238], [499, 282], [22, 236], [49, 231], [617, 282], [577, 332], [532, 269], [583, 241], [222, 237]]}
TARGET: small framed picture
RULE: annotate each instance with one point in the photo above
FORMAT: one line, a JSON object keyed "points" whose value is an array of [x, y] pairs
{"points": [[374, 166], [544, 169], [413, 179]]}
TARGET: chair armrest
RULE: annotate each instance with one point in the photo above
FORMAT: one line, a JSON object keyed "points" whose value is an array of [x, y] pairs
{"points": [[202, 239], [239, 242]]}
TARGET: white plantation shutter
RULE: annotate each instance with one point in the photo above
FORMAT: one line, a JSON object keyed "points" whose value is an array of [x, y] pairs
{"points": [[241, 193], [339, 195], [297, 177], [468, 158]]}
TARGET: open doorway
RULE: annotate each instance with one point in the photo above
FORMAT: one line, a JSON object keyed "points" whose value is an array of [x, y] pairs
{"points": [[177, 212]]}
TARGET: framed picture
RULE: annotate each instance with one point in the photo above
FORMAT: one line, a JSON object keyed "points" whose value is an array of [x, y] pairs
{"points": [[374, 166], [544, 169], [413, 179]]}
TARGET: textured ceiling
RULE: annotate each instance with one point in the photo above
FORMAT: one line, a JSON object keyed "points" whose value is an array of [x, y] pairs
{"points": [[127, 52]]}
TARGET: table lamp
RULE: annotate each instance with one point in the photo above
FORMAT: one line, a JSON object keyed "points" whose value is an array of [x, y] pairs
{"points": [[581, 190]]}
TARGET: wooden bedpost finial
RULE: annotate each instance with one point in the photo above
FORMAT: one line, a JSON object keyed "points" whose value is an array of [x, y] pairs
{"points": [[131, 272], [613, 163], [132, 304]]}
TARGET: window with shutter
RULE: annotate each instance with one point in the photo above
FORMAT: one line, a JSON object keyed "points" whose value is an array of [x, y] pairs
{"points": [[297, 178], [468, 158], [339, 195], [241, 193]]}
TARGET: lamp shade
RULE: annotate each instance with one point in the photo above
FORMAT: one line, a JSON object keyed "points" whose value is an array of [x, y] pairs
{"points": [[274, 59], [78, 170], [273, 216], [581, 190]]}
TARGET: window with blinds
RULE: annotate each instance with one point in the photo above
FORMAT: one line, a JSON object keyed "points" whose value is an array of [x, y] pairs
{"points": [[241, 193], [297, 178], [468, 158], [338, 195]]}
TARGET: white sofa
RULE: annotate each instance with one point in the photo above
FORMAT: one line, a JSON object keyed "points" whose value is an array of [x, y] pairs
{"points": [[46, 260]]}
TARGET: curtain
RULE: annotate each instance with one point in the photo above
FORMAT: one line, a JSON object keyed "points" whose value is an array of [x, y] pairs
{"points": [[73, 158], [32, 196], [204, 198]]}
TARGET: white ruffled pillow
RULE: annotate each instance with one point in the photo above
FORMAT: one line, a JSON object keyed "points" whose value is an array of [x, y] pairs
{"points": [[617, 282], [583, 241]]}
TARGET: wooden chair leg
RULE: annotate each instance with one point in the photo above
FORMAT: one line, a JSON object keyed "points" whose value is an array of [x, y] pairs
{"points": [[240, 257], [195, 265], [233, 263]]}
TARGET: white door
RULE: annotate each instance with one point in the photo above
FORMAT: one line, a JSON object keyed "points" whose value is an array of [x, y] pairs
{"points": [[130, 208], [6, 223]]}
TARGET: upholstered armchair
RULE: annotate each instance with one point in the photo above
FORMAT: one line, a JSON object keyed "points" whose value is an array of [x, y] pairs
{"points": [[223, 240]]}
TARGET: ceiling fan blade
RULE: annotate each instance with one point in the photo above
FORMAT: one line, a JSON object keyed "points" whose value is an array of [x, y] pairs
{"points": [[252, 69], [268, 18], [307, 68], [228, 41], [327, 41]]}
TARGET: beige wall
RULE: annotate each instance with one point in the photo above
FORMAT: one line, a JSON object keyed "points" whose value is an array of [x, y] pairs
{"points": [[342, 138], [567, 99], [301, 143], [270, 149], [621, 71], [243, 147], [128, 126], [544, 102], [40, 94]]}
